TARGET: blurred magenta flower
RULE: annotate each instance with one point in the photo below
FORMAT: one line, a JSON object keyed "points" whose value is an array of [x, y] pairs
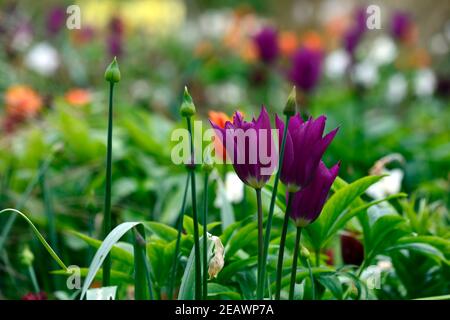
{"points": [[115, 47], [309, 201], [56, 20], [306, 68], [267, 44], [401, 26], [35, 296], [303, 151], [354, 34], [250, 147], [116, 25]]}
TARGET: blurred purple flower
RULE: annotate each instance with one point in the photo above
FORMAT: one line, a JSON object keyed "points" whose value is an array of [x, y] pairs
{"points": [[306, 68], [115, 47], [401, 25], [303, 151], [308, 202], [56, 20], [355, 33], [267, 44], [250, 146], [116, 26]]}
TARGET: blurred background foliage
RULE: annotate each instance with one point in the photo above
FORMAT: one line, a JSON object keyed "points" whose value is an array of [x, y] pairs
{"points": [[389, 95]]}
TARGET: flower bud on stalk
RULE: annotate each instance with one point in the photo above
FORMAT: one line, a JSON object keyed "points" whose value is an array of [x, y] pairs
{"points": [[112, 73], [291, 104], [187, 108]]}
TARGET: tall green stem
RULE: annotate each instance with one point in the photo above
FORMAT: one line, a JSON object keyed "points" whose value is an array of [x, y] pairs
{"points": [[205, 239], [198, 273], [260, 291], [177, 244], [294, 263], [34, 279], [260, 237], [282, 246], [107, 213]]}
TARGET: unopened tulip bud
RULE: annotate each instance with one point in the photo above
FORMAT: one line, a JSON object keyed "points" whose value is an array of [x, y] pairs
{"points": [[187, 108], [304, 252], [112, 73], [291, 104], [208, 164], [27, 257]]}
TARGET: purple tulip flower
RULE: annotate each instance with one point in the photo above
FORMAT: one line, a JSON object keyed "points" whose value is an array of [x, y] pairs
{"points": [[267, 43], [401, 25], [56, 20], [306, 68], [250, 147], [307, 203], [303, 151]]}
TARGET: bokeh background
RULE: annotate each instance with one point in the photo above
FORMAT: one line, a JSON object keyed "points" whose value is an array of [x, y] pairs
{"points": [[387, 89]]}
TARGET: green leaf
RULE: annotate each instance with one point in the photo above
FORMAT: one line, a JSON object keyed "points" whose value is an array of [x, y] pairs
{"points": [[423, 248], [215, 289], [335, 209], [116, 276], [161, 230], [117, 253], [38, 235], [384, 233], [332, 283], [236, 266], [187, 286], [115, 235]]}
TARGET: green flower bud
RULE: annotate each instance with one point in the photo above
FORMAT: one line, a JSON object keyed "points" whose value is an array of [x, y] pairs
{"points": [[208, 163], [112, 73], [26, 257], [187, 108], [291, 103], [304, 252]]}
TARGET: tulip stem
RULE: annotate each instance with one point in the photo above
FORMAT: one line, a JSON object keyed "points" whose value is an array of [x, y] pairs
{"points": [[177, 244], [282, 246], [107, 213], [260, 291], [205, 240], [260, 238], [294, 263], [198, 272]]}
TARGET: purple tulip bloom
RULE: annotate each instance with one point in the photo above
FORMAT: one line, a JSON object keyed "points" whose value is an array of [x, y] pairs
{"points": [[306, 68], [303, 151], [250, 147], [401, 25], [56, 20], [308, 202], [267, 44]]}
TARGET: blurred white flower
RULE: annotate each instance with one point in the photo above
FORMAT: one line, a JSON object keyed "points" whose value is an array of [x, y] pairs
{"points": [[43, 59], [397, 88], [234, 190], [365, 74], [214, 24], [424, 82], [383, 51], [438, 44], [336, 63], [389, 185], [228, 93]]}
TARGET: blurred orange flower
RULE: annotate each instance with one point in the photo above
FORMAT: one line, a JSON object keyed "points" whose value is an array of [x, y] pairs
{"points": [[312, 40], [219, 118], [78, 97], [288, 43], [22, 102]]}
